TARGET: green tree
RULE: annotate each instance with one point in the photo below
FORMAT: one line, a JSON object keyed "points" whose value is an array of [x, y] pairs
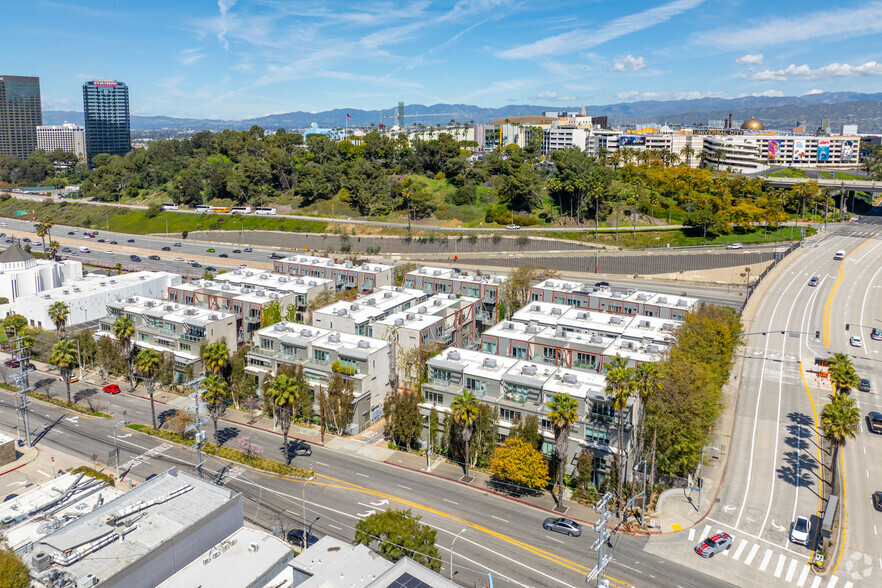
{"points": [[64, 357], [403, 421], [518, 462], [287, 392], [620, 387], [398, 534], [124, 329], [14, 573], [465, 410], [563, 411], [527, 430], [842, 373], [338, 403], [840, 420], [215, 395], [272, 314], [59, 312], [646, 381], [147, 363], [216, 358], [584, 470]]}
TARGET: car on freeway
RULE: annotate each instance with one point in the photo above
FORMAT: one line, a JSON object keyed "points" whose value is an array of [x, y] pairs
{"points": [[513, 227], [108, 251], [247, 250], [114, 243], [177, 244], [856, 341], [734, 246], [178, 259], [211, 250], [4, 224], [195, 264], [295, 537], [876, 334], [111, 389], [134, 258], [191, 261], [864, 385], [2, 234], [874, 422], [154, 257], [562, 525], [713, 545], [26, 240], [237, 251], [13, 363], [223, 255], [71, 233], [275, 255], [243, 266], [601, 285], [65, 249], [130, 241], [814, 281], [799, 532], [166, 248], [211, 269], [877, 500], [9, 240], [102, 241], [302, 449]]}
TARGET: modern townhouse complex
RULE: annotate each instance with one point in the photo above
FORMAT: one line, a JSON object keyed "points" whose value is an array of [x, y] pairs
{"points": [[519, 388], [366, 363], [345, 274], [171, 327], [357, 316], [630, 302], [442, 319], [438, 280]]}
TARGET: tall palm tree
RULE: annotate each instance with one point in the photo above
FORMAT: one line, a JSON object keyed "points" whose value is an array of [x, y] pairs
{"points": [[619, 388], [686, 152], [842, 373], [53, 249], [124, 329], [42, 230], [216, 357], [59, 312], [284, 395], [465, 412], [147, 363], [64, 357], [839, 423], [646, 381], [215, 395], [563, 411]]}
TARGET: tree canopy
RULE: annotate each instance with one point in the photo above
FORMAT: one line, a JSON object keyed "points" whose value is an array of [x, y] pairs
{"points": [[398, 534]]}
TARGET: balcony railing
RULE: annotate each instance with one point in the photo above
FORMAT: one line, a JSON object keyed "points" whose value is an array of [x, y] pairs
{"points": [[318, 361], [193, 338], [516, 397], [542, 359], [440, 382]]}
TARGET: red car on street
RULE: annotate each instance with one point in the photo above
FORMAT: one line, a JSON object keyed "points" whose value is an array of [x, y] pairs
{"points": [[111, 389]]}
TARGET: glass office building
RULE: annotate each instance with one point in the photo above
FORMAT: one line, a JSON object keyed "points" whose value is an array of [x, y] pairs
{"points": [[106, 109], [20, 114]]}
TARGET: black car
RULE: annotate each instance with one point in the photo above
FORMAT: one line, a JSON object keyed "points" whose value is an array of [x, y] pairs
{"points": [[864, 385], [275, 255], [114, 243], [601, 285], [134, 258], [71, 233], [562, 525], [166, 248], [177, 245], [130, 241], [295, 537], [9, 240], [195, 264], [101, 240], [223, 255], [154, 257], [26, 240], [877, 500], [874, 422], [211, 269], [234, 250]]}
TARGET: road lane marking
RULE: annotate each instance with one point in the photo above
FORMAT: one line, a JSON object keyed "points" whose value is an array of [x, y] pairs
{"points": [[44, 473], [362, 475], [790, 571], [749, 559], [706, 532], [691, 534], [553, 539], [817, 442], [802, 576], [450, 501], [323, 464], [335, 527], [499, 519], [833, 293], [740, 548], [832, 582], [764, 564], [780, 565], [844, 510], [405, 487]]}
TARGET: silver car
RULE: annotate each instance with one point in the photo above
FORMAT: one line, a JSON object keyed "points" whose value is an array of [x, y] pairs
{"points": [[562, 525]]}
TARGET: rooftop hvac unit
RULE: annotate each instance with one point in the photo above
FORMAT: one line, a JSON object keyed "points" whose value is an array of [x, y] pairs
{"points": [[348, 264], [570, 379], [436, 272], [41, 561], [378, 268], [642, 297], [663, 300], [65, 292], [261, 293], [532, 329], [422, 310], [567, 286], [75, 289], [274, 295], [497, 280], [190, 311], [249, 274], [534, 308], [282, 279], [411, 316], [453, 355], [398, 322], [329, 263], [627, 345], [263, 276], [438, 302], [489, 362], [47, 296], [168, 308], [507, 326], [451, 297], [399, 288], [387, 294], [113, 281], [279, 327], [549, 284], [238, 272], [529, 370], [213, 317], [617, 294], [559, 333], [207, 284], [341, 312], [303, 259], [364, 344], [615, 320], [225, 287], [102, 284], [555, 311], [371, 302], [129, 300], [148, 303], [313, 283], [681, 302], [305, 333], [582, 315], [596, 339], [353, 306], [643, 324], [142, 278], [422, 270], [334, 337], [299, 281], [667, 327]]}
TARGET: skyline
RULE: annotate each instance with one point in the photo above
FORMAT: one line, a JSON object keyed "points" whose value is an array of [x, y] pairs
{"points": [[241, 59]]}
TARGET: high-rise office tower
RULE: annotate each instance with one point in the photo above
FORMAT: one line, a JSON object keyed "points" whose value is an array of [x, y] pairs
{"points": [[106, 109], [20, 114], [68, 136]]}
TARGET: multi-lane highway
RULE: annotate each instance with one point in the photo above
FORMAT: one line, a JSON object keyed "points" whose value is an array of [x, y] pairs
{"points": [[777, 463], [503, 538]]}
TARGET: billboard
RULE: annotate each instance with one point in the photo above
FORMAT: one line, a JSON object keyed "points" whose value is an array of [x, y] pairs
{"points": [[799, 150], [632, 140], [824, 150], [847, 149], [774, 148]]}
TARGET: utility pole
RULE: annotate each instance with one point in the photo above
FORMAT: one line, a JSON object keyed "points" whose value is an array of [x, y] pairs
{"points": [[633, 501], [199, 434], [22, 382], [596, 573]]}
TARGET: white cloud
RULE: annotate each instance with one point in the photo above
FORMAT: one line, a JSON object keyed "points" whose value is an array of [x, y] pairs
{"points": [[190, 56], [804, 72], [813, 91], [582, 39], [635, 95], [628, 63], [552, 96], [769, 93], [841, 22], [756, 59]]}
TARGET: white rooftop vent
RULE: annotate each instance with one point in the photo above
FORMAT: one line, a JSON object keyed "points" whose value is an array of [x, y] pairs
{"points": [[305, 333], [398, 322], [556, 311], [279, 327], [642, 297], [507, 326], [334, 337], [532, 329], [529, 370], [615, 320], [387, 294], [410, 316], [489, 362], [364, 344], [570, 379], [534, 308], [454, 355], [582, 315], [652, 349], [643, 324], [663, 300]]}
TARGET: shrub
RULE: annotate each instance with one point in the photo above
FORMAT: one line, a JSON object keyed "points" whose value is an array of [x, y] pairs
{"points": [[95, 474]]}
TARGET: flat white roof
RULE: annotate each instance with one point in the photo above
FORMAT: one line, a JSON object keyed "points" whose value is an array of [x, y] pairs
{"points": [[90, 285], [171, 311], [366, 307], [266, 280], [312, 260], [545, 313]]}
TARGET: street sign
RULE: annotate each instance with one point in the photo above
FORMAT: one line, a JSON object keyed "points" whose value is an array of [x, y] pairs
{"points": [[21, 212]]}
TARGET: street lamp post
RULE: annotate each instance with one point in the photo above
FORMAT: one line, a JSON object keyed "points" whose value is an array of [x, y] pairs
{"points": [[303, 502], [452, 543]]}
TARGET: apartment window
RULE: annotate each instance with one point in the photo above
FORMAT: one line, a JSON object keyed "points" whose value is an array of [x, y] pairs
{"points": [[105, 327], [516, 393], [602, 411], [320, 356], [475, 385], [163, 342], [185, 346], [441, 375], [597, 435], [509, 415], [143, 337], [519, 352], [434, 397], [546, 425], [266, 343], [585, 359], [549, 353], [536, 297], [489, 347]]}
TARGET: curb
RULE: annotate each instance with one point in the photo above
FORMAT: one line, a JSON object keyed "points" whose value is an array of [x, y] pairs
{"points": [[21, 465]]}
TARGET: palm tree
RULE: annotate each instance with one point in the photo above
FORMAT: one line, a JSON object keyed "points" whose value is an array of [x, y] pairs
{"points": [[686, 152], [59, 312], [124, 329], [53, 249], [465, 412], [215, 396], [839, 422], [563, 411], [42, 230], [147, 363], [646, 381], [842, 373], [64, 357], [216, 357], [284, 395], [620, 387], [703, 156]]}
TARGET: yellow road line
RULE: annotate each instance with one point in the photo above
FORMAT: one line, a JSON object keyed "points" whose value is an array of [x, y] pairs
{"points": [[833, 293], [561, 561], [844, 508], [817, 444]]}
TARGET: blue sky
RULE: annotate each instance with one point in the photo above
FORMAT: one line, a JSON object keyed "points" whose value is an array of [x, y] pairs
{"points": [[245, 58]]}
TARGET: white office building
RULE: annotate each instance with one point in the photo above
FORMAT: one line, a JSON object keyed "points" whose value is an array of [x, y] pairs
{"points": [[69, 137]]}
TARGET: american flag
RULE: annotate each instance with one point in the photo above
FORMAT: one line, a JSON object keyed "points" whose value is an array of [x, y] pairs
{"points": [[348, 117]]}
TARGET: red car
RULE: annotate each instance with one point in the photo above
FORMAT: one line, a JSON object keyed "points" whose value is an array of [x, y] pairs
{"points": [[111, 389], [713, 545]]}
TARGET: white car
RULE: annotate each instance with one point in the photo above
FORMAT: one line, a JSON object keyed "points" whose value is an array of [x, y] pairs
{"points": [[4, 225], [178, 259], [799, 532], [109, 252], [243, 266], [513, 227], [856, 341], [191, 261], [735, 246]]}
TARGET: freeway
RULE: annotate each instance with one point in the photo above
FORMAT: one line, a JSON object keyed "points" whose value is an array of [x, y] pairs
{"points": [[503, 537], [777, 464]]}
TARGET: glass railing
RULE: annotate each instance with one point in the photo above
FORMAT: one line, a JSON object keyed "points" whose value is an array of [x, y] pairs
{"points": [[318, 361], [440, 382], [193, 338]]}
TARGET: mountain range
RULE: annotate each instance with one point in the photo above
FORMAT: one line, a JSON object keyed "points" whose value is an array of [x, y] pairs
{"points": [[776, 112]]}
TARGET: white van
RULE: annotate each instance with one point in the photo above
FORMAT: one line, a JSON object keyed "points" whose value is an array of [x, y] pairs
{"points": [[840, 255], [84, 249]]}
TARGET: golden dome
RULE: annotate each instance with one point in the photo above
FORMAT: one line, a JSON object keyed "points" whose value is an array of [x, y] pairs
{"points": [[753, 125]]}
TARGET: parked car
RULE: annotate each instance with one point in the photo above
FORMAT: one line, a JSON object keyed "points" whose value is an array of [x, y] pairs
{"points": [[713, 545], [166, 248], [856, 341], [814, 281], [877, 500], [864, 385], [876, 334], [13, 363], [295, 537], [799, 532], [111, 389], [874, 422], [154, 257], [4, 224], [562, 525]]}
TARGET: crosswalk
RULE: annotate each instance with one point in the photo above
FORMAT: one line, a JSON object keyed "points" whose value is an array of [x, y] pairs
{"points": [[782, 566]]}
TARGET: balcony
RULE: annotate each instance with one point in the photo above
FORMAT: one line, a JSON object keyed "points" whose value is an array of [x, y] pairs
{"points": [[319, 361], [542, 359], [516, 397], [444, 383], [193, 338], [252, 319]]}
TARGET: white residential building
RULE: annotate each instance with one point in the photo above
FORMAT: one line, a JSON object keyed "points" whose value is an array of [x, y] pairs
{"points": [[610, 300], [443, 318], [21, 274], [446, 280], [345, 274], [357, 316], [69, 137]]}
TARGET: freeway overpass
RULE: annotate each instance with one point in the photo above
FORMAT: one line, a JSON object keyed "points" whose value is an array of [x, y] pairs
{"points": [[872, 186]]}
